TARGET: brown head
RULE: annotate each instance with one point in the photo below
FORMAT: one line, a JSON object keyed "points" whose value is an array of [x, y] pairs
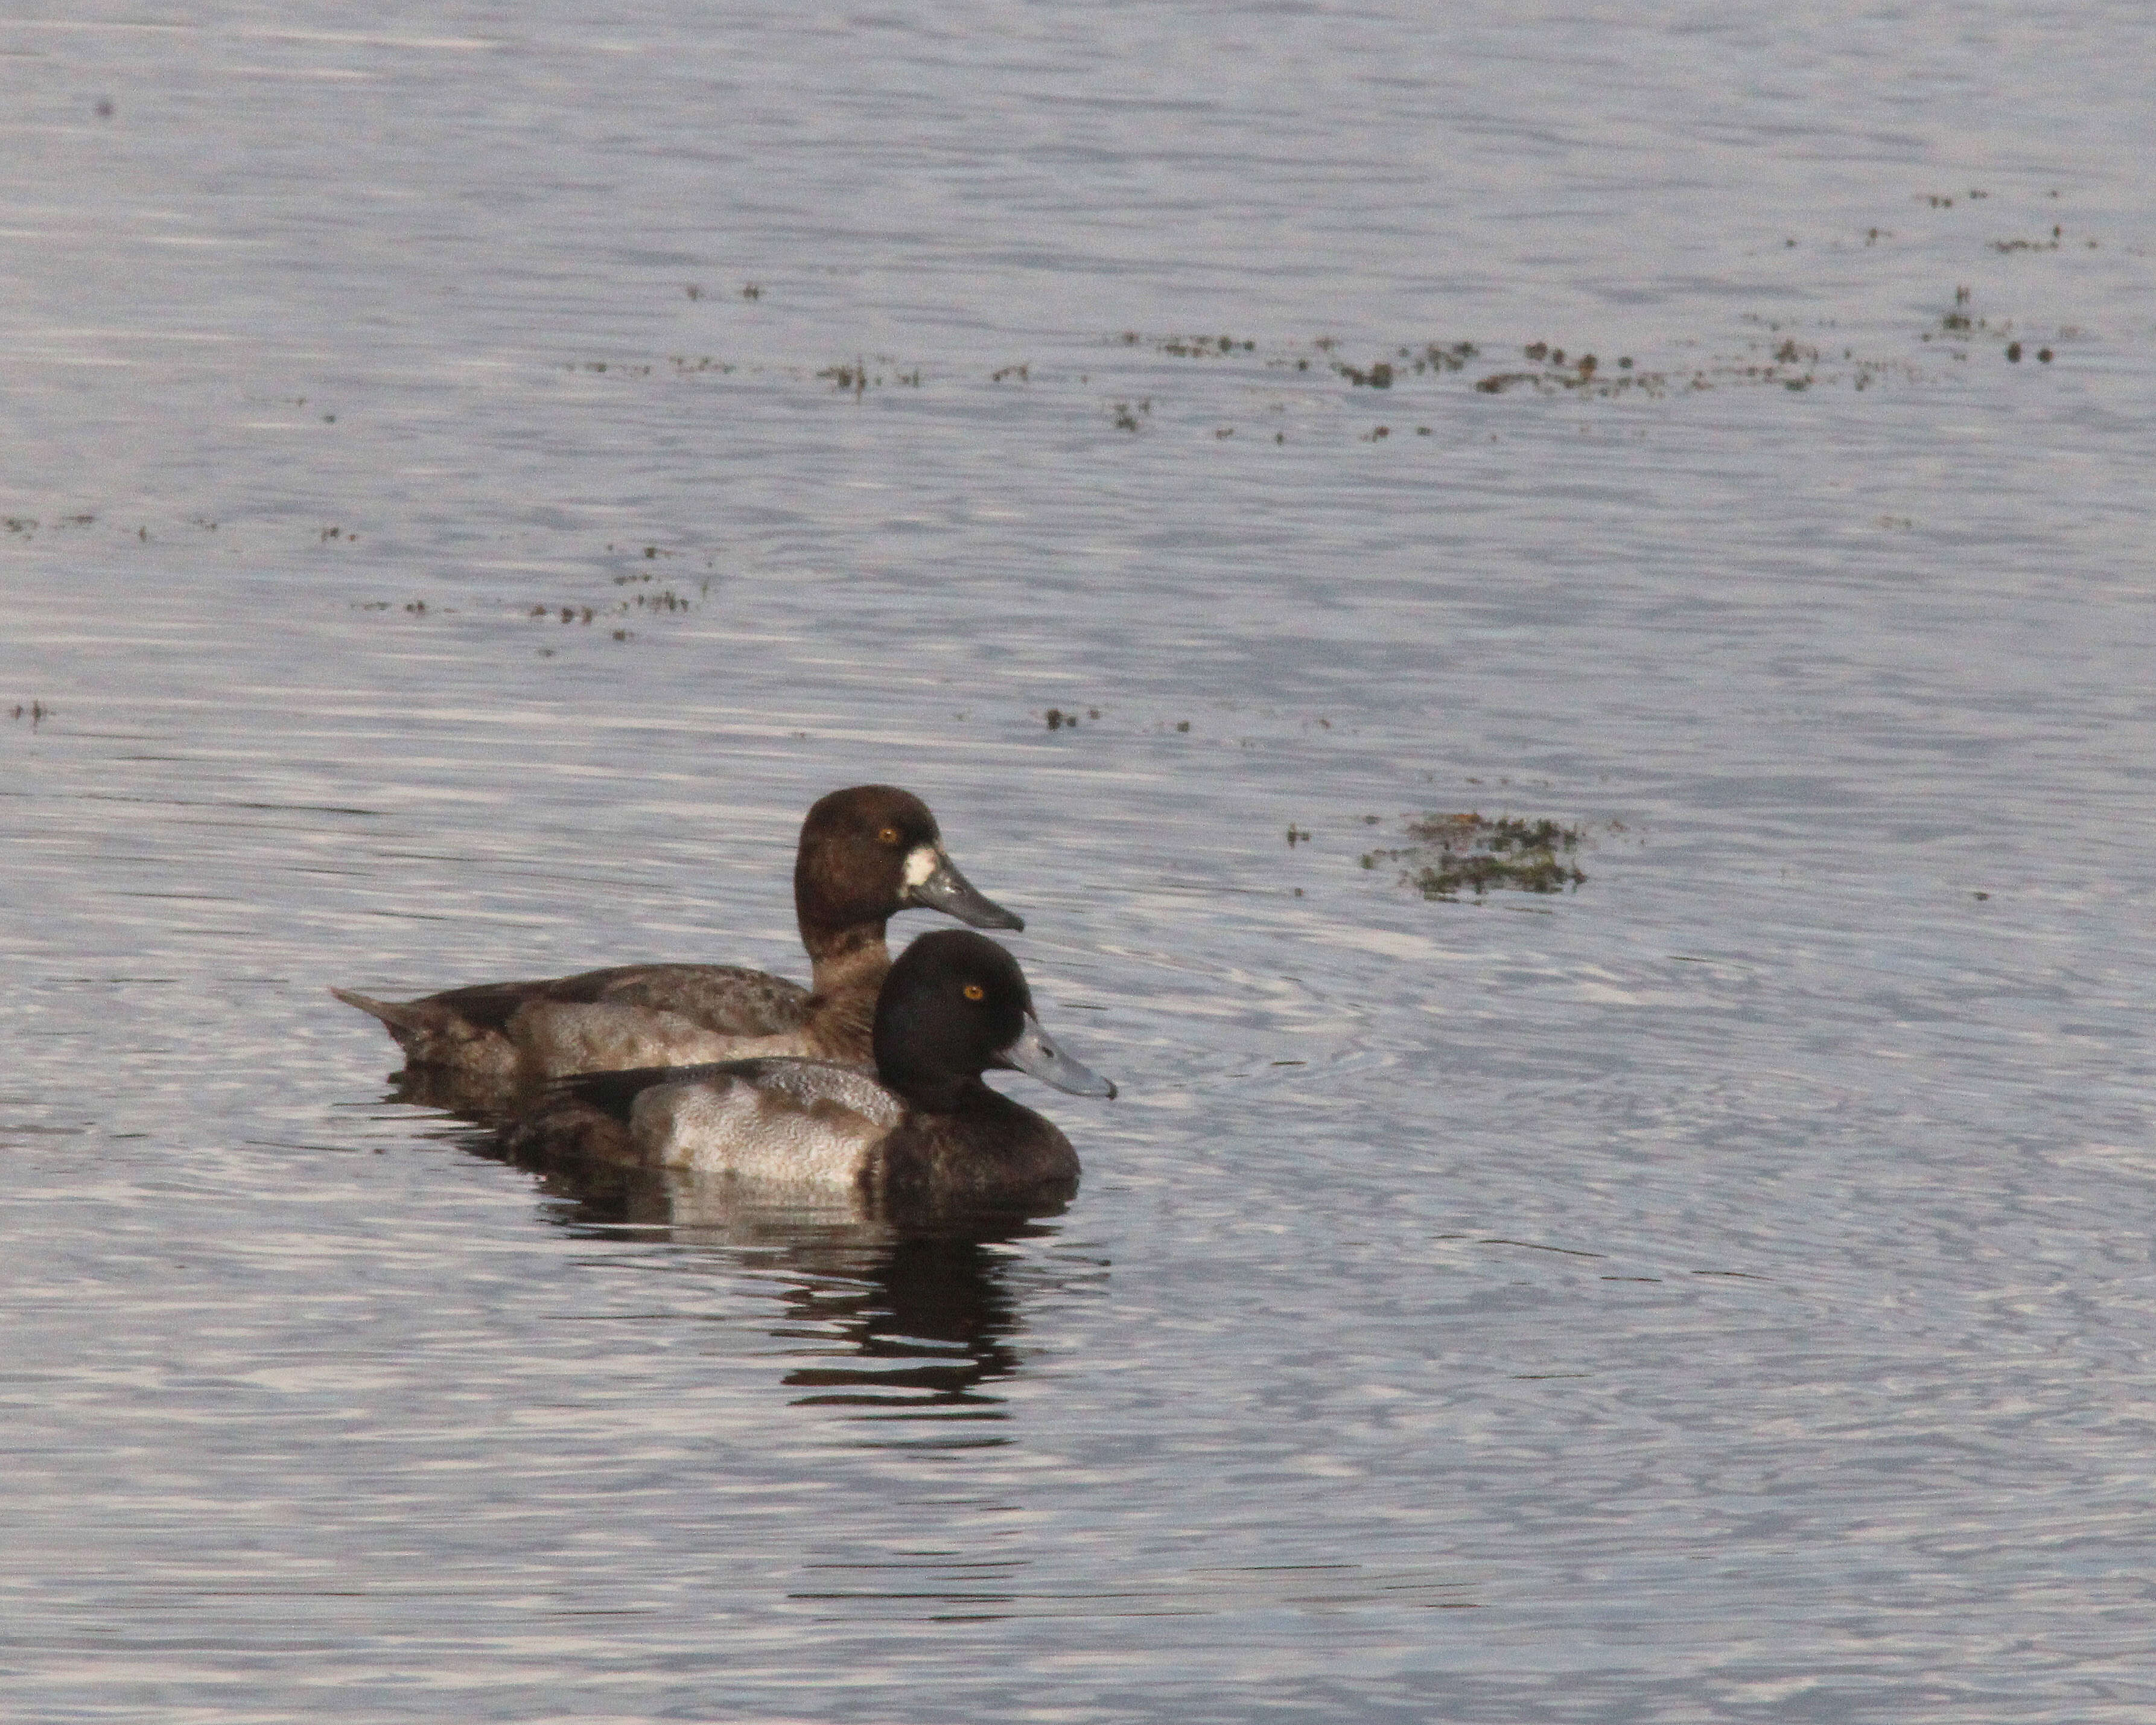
{"points": [[870, 852]]}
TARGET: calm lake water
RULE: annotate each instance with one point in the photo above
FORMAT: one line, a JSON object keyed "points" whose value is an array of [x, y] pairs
{"points": [[474, 475]]}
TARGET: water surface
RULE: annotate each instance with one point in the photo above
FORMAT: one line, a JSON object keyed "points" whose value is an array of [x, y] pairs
{"points": [[1721, 1292]]}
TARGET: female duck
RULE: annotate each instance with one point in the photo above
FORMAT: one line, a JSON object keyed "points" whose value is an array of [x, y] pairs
{"points": [[955, 1005], [865, 854]]}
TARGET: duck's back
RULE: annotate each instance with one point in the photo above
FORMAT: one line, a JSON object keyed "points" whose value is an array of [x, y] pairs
{"points": [[728, 999], [625, 1015], [669, 1015]]}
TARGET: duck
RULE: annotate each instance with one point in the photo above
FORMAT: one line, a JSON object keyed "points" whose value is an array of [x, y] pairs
{"points": [[867, 853], [923, 1126]]}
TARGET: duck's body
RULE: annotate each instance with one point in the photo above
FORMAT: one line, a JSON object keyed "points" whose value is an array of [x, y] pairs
{"points": [[638, 1015], [865, 854], [924, 1126]]}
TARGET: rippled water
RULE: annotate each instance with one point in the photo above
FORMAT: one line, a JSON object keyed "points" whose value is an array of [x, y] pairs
{"points": [[1721, 1292]]}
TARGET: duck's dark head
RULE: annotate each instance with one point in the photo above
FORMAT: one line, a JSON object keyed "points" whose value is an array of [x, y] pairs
{"points": [[956, 1005], [871, 851]]}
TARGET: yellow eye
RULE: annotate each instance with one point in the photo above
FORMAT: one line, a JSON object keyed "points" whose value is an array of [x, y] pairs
{"points": [[889, 835], [975, 991]]}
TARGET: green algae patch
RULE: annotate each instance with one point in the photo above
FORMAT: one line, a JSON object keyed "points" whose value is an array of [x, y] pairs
{"points": [[1452, 854]]}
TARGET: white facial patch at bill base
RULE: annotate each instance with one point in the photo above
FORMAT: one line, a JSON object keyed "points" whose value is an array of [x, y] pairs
{"points": [[921, 862]]}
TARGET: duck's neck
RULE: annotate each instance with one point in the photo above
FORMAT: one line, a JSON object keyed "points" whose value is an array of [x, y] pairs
{"points": [[847, 960], [931, 1090]]}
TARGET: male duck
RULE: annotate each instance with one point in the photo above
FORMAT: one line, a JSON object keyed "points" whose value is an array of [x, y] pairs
{"points": [[865, 854], [925, 1126]]}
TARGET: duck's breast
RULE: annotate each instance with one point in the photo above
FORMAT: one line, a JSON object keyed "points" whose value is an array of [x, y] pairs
{"points": [[991, 1148]]}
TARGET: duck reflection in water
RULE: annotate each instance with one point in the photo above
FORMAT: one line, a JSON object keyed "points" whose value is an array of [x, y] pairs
{"points": [[935, 1321], [902, 1317]]}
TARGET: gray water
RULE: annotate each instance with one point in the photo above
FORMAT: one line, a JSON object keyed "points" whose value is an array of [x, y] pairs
{"points": [[1723, 1291]]}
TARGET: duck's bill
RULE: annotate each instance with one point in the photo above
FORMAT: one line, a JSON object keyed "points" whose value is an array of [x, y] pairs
{"points": [[934, 883], [1036, 1055]]}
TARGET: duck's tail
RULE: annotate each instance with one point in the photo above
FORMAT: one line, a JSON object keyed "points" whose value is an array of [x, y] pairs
{"points": [[396, 1015], [563, 1129]]}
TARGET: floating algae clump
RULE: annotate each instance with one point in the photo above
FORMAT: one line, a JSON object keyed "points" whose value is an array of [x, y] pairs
{"points": [[1454, 853]]}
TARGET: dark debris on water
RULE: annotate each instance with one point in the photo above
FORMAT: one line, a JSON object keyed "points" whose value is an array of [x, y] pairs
{"points": [[1451, 854]]}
